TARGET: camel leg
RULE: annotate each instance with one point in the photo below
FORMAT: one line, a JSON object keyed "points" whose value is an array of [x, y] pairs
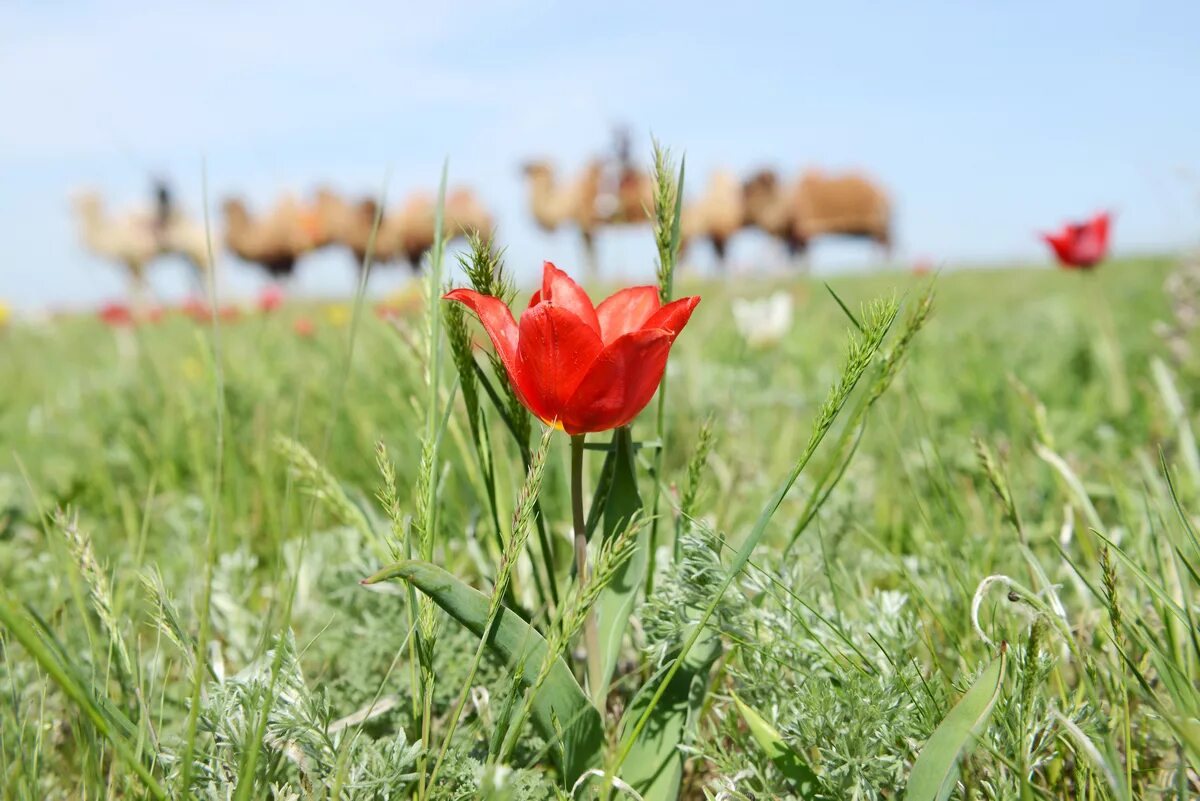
{"points": [[140, 293], [589, 255], [720, 247], [798, 255], [885, 242]]}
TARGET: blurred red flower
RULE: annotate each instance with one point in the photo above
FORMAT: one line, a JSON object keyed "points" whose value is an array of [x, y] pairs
{"points": [[195, 308], [1081, 246], [304, 327], [581, 367], [270, 299], [115, 315], [229, 313]]}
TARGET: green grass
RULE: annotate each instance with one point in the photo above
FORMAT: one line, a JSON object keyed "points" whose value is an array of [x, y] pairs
{"points": [[851, 649]]}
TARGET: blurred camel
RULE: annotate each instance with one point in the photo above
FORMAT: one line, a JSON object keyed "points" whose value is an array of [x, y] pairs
{"points": [[135, 238], [128, 239], [573, 203], [630, 201], [818, 205], [342, 222], [179, 234], [275, 240], [716, 215], [409, 231], [405, 234]]}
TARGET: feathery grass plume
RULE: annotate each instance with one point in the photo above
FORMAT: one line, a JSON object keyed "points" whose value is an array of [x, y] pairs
{"points": [[1031, 668], [878, 317], [852, 431], [1108, 575], [389, 497], [668, 204], [522, 521], [79, 544], [695, 471], [893, 358], [485, 269], [166, 616], [315, 480], [459, 335], [995, 476]]}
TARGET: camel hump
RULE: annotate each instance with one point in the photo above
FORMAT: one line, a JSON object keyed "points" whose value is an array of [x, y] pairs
{"points": [[418, 202], [724, 182], [849, 203]]}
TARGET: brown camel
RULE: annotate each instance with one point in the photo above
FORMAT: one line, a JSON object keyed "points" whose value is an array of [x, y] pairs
{"points": [[273, 241], [341, 222], [716, 215], [409, 232], [405, 234], [135, 238], [574, 203], [818, 205], [631, 198], [128, 239]]}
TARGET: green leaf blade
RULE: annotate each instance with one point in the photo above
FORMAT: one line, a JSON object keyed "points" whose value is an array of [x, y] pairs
{"points": [[560, 705], [936, 769]]}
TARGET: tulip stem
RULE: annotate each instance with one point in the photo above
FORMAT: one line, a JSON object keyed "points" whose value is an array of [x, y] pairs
{"points": [[591, 635]]}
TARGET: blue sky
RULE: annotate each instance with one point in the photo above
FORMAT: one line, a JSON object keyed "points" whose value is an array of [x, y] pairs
{"points": [[985, 121]]}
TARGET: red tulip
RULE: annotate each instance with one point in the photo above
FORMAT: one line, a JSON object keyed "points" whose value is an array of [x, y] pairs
{"points": [[229, 313], [1081, 246], [581, 367], [115, 315], [270, 299]]}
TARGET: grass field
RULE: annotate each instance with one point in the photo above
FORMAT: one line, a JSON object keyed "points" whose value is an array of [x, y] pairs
{"points": [[186, 514]]}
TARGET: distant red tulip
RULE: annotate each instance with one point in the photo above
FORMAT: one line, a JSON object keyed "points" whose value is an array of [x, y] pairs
{"points": [[270, 299], [155, 314], [195, 308], [229, 313], [1081, 246], [116, 315], [581, 367], [304, 327]]}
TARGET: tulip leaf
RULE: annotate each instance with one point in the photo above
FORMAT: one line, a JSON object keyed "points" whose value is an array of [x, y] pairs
{"points": [[936, 770], [654, 767], [561, 710], [614, 607], [791, 764]]}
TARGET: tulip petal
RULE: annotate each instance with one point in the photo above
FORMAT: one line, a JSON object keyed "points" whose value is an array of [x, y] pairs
{"points": [[620, 382], [554, 351], [626, 311], [672, 317], [498, 321], [560, 288]]}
